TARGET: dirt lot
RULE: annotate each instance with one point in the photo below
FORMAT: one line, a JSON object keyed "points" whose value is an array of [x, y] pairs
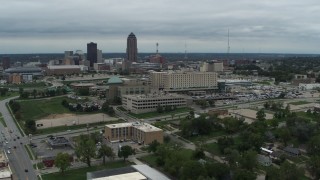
{"points": [[54, 120]]}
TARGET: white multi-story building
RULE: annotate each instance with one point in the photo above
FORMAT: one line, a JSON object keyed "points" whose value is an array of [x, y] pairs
{"points": [[148, 103], [212, 66], [183, 81]]}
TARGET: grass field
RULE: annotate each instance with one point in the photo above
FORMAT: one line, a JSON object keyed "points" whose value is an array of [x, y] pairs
{"points": [[212, 148], [155, 114], [26, 85], [36, 109], [151, 159], [9, 95], [81, 174], [299, 103]]}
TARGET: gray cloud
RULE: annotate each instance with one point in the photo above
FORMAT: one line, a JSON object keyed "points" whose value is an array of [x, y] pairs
{"points": [[255, 26]]}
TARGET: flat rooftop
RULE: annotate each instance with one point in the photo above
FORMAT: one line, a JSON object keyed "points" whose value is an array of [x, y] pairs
{"points": [[154, 96], [145, 127]]}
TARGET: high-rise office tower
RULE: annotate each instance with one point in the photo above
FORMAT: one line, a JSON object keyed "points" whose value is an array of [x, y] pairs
{"points": [[99, 56], [132, 49], [6, 62], [92, 53]]}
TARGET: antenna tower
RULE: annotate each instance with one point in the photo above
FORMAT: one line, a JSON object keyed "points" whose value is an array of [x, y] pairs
{"points": [[157, 44], [228, 51], [185, 51]]}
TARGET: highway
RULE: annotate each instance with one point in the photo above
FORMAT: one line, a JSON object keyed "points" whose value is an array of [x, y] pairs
{"points": [[18, 157]]}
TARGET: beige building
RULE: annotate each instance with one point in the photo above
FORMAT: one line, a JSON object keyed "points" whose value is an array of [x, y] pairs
{"points": [[139, 132], [148, 103], [133, 86], [183, 81], [15, 78], [212, 66]]}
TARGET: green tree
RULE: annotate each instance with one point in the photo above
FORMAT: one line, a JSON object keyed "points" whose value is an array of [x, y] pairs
{"points": [[125, 152], [313, 165], [83, 92], [85, 149], [313, 145], [34, 93], [193, 170], [243, 174], [249, 160], [159, 109], [62, 161], [105, 151], [261, 115], [153, 146], [30, 126], [289, 171], [284, 134], [198, 154]]}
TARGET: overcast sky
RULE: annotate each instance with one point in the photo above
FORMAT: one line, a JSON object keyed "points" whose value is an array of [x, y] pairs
{"points": [[273, 26]]}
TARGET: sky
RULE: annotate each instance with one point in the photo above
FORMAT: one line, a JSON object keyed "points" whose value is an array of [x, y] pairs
{"points": [[255, 26]]}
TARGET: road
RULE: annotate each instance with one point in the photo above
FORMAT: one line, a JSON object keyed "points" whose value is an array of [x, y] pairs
{"points": [[18, 157]]}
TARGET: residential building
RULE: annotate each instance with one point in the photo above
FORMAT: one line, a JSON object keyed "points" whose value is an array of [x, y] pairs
{"points": [[132, 49], [92, 53], [292, 151], [139, 132], [264, 160], [173, 81], [147, 103]]}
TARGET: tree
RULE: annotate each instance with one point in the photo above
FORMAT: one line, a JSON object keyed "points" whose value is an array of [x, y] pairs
{"points": [[284, 134], [249, 160], [289, 171], [198, 154], [85, 149], [243, 174], [125, 152], [62, 161], [313, 165], [83, 92], [153, 146], [159, 109], [105, 151], [261, 115], [193, 170], [34, 93], [3, 91], [30, 126], [313, 145]]}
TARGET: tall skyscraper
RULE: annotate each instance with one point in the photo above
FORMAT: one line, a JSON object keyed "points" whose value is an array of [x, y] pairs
{"points": [[132, 49], [6, 62], [92, 53]]}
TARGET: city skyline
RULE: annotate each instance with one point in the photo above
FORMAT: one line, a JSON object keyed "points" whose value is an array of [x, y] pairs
{"points": [[255, 27]]}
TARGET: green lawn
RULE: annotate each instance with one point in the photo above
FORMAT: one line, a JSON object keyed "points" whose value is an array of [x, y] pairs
{"points": [[299, 103], [212, 148], [9, 95], [203, 138], [26, 85], [2, 121], [37, 109], [151, 159], [155, 114], [81, 174]]}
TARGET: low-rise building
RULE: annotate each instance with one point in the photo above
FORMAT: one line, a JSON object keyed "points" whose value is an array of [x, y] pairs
{"points": [[139, 132], [147, 103], [65, 69], [264, 160], [5, 171]]}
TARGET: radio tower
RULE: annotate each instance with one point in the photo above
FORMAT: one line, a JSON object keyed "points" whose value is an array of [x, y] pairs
{"points": [[228, 50], [157, 44], [185, 51]]}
